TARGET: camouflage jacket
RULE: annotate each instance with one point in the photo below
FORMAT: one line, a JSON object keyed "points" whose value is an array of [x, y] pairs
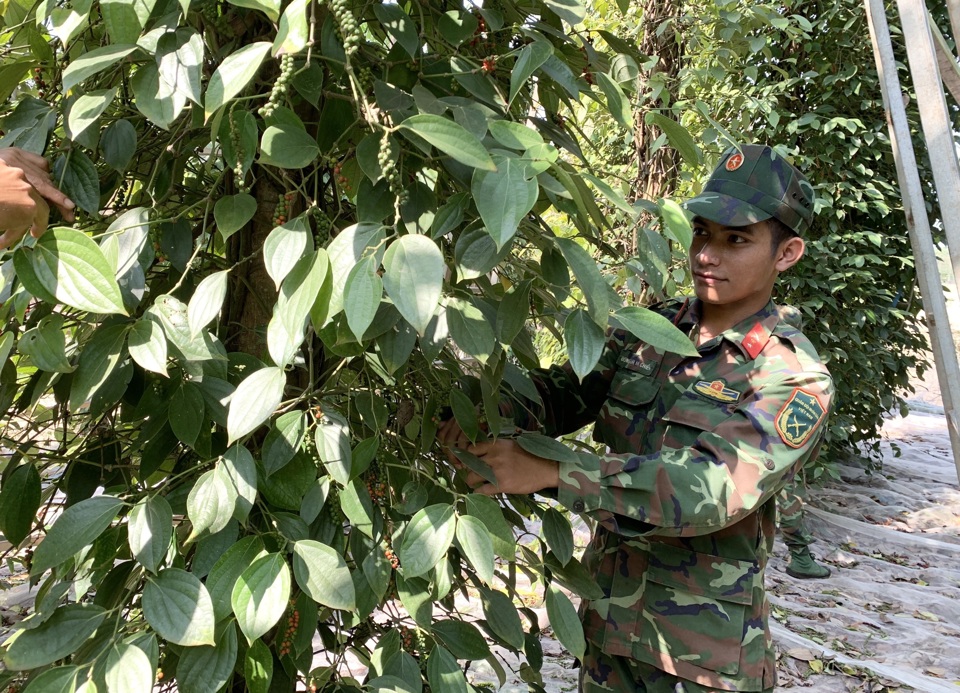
{"points": [[685, 498]]}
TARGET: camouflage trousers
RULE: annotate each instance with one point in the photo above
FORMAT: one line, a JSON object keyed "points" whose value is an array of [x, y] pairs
{"points": [[603, 672], [790, 516]]}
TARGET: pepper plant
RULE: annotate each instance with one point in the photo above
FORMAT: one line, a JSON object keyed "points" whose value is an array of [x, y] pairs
{"points": [[308, 232]]}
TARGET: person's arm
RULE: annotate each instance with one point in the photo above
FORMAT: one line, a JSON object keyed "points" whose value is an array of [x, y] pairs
{"points": [[726, 474], [25, 191]]}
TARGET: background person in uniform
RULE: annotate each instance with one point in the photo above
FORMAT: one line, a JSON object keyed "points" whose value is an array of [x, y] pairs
{"points": [[698, 449], [26, 193]]}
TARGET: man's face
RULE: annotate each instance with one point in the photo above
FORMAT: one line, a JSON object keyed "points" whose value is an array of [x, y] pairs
{"points": [[732, 266]]}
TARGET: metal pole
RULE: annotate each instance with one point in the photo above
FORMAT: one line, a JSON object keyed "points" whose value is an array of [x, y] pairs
{"points": [[934, 303]]}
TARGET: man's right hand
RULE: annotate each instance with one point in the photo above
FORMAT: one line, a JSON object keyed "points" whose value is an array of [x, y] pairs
{"points": [[25, 190]]}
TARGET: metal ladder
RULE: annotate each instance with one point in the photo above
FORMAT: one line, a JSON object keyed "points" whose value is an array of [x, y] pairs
{"points": [[932, 67]]}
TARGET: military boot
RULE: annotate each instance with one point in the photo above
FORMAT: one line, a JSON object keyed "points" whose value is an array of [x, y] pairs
{"points": [[803, 566]]}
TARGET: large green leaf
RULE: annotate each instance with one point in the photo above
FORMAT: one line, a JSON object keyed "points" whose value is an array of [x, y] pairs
{"points": [[46, 345], [254, 400], [288, 146], [361, 295], [149, 531], [178, 607], [92, 62], [283, 440], [504, 196], [293, 34], [450, 138], [65, 631], [464, 640], [399, 25], [128, 669], [19, 501], [476, 544], [285, 246], [300, 291], [547, 447], [154, 99], [322, 573], [413, 278], [258, 668], [260, 596], [345, 251], [62, 679], [180, 63], [77, 527], [584, 341], [271, 8], [559, 534], [208, 667], [207, 300], [118, 143], [98, 360], [125, 20], [186, 413], [332, 438], [491, 514], [72, 267], [427, 539], [654, 329], [676, 223], [211, 503], [86, 110], [502, 617], [444, 673], [617, 102], [148, 345], [532, 56], [233, 212], [239, 470], [565, 622], [234, 73], [470, 329], [588, 276], [680, 138], [223, 576]]}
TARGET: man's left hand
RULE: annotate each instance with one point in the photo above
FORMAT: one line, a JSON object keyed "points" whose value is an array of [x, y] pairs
{"points": [[517, 470]]}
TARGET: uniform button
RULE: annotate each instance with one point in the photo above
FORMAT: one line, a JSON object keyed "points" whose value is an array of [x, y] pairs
{"points": [[578, 506], [768, 463]]}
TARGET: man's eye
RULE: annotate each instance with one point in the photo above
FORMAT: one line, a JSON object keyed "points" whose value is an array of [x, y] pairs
{"points": [[737, 239], [699, 231]]}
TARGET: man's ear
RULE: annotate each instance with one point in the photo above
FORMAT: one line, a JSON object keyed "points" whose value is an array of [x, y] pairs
{"points": [[789, 253]]}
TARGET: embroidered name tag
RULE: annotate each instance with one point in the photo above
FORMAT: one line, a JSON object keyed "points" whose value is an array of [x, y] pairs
{"points": [[634, 362], [716, 390], [799, 418]]}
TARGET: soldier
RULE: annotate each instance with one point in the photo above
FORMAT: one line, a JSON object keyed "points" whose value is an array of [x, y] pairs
{"points": [[698, 449], [25, 190]]}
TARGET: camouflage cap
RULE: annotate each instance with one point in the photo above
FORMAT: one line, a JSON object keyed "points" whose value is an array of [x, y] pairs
{"points": [[753, 183]]}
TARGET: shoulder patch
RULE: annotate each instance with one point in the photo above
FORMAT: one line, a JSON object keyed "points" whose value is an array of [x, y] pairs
{"points": [[799, 417]]}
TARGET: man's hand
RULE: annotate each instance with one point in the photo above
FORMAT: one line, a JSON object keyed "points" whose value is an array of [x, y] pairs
{"points": [[25, 190], [517, 471]]}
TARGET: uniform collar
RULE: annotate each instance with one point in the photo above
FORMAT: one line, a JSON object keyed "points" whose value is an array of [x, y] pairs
{"points": [[750, 335]]}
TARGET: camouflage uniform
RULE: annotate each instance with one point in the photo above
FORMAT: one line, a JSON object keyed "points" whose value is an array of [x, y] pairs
{"points": [[685, 498]]}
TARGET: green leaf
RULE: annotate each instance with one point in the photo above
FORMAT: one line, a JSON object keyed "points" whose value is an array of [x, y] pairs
{"points": [[293, 35], [680, 138], [617, 102], [565, 622], [283, 440], [398, 24], [260, 595], [62, 679], [427, 539], [361, 295], [126, 237], [154, 99], [470, 329], [233, 212], [491, 514], [186, 413], [332, 439], [515, 135], [444, 673], [584, 341], [172, 315], [532, 56], [124, 19], [258, 668], [225, 572], [676, 222], [592, 283], [611, 194], [288, 146], [71, 267], [86, 110], [19, 501], [463, 639], [46, 345], [97, 362], [207, 300], [78, 178], [502, 617], [178, 607], [345, 251], [180, 64], [118, 144], [65, 631], [207, 668], [547, 448], [148, 346], [128, 669], [413, 278], [254, 400], [504, 196], [654, 329], [322, 573], [92, 62], [271, 8], [450, 138], [300, 291], [233, 75], [512, 312], [476, 545], [559, 535], [570, 11], [77, 527], [211, 503], [285, 246], [476, 254], [240, 473], [149, 531]]}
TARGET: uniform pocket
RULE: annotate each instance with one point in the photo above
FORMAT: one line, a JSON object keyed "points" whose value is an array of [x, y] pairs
{"points": [[695, 412], [633, 388], [695, 606]]}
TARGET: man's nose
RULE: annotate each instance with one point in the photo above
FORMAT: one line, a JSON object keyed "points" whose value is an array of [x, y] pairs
{"points": [[704, 252]]}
